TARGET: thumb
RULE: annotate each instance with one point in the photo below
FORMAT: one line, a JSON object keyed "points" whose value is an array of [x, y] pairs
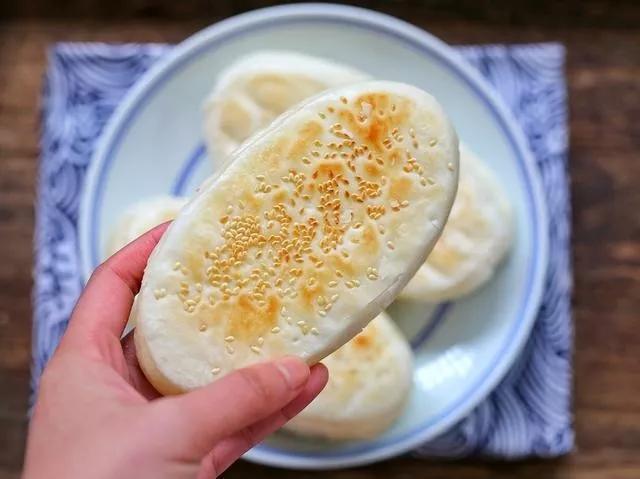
{"points": [[195, 421]]}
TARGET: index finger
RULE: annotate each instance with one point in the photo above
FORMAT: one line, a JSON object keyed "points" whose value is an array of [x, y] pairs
{"points": [[106, 301]]}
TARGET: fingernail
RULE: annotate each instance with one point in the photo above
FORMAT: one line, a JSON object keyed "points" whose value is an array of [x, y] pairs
{"points": [[294, 370]]}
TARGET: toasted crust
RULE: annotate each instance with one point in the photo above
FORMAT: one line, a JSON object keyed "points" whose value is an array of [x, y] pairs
{"points": [[306, 235]]}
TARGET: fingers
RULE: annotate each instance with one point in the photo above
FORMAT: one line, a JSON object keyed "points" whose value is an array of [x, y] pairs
{"points": [[227, 451], [105, 304], [135, 375], [199, 419]]}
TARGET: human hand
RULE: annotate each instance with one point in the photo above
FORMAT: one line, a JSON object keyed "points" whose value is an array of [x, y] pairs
{"points": [[97, 416]]}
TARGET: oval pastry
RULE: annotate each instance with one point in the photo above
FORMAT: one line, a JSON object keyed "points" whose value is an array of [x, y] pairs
{"points": [[141, 217], [474, 241], [369, 383], [310, 231], [255, 89]]}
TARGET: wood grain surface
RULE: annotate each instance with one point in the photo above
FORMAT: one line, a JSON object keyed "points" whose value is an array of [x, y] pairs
{"points": [[604, 90]]}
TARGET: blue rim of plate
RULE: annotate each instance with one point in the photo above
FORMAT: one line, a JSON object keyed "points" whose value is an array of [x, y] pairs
{"points": [[428, 46]]}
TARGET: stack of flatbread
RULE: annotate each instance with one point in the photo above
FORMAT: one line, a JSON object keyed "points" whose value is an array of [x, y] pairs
{"points": [[333, 195]]}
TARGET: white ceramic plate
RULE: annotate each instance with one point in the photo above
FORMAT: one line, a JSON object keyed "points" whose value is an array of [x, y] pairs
{"points": [[153, 145]]}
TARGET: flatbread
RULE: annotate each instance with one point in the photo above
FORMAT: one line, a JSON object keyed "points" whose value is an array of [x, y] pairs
{"points": [[306, 235], [369, 383], [254, 90], [141, 217], [475, 240]]}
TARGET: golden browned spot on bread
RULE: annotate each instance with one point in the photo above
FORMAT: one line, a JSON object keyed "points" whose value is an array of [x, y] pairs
{"points": [[362, 340], [272, 155], [375, 133], [299, 238], [245, 320], [400, 188], [281, 196], [251, 202], [311, 293], [344, 265], [276, 93], [307, 134], [329, 169], [370, 241], [372, 169]]}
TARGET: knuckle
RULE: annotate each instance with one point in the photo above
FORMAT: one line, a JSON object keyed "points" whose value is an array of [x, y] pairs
{"points": [[98, 271]]}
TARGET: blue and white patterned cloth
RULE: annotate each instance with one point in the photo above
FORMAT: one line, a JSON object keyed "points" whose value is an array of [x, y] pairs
{"points": [[529, 413]]}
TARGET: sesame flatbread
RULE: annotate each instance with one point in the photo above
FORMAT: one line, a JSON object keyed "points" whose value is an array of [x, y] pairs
{"points": [[310, 230]]}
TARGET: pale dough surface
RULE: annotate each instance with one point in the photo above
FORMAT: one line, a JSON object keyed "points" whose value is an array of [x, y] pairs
{"points": [[369, 383], [475, 240]]}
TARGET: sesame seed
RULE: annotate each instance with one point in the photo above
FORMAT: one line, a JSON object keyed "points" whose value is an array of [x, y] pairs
{"points": [[229, 349], [177, 265], [315, 331], [433, 142], [203, 327], [255, 349], [260, 341], [334, 298], [300, 323], [160, 293], [215, 371], [230, 339], [390, 245], [275, 330], [450, 166], [343, 100], [322, 313]]}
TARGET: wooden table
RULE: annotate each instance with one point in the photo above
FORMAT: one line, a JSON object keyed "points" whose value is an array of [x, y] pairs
{"points": [[604, 88]]}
